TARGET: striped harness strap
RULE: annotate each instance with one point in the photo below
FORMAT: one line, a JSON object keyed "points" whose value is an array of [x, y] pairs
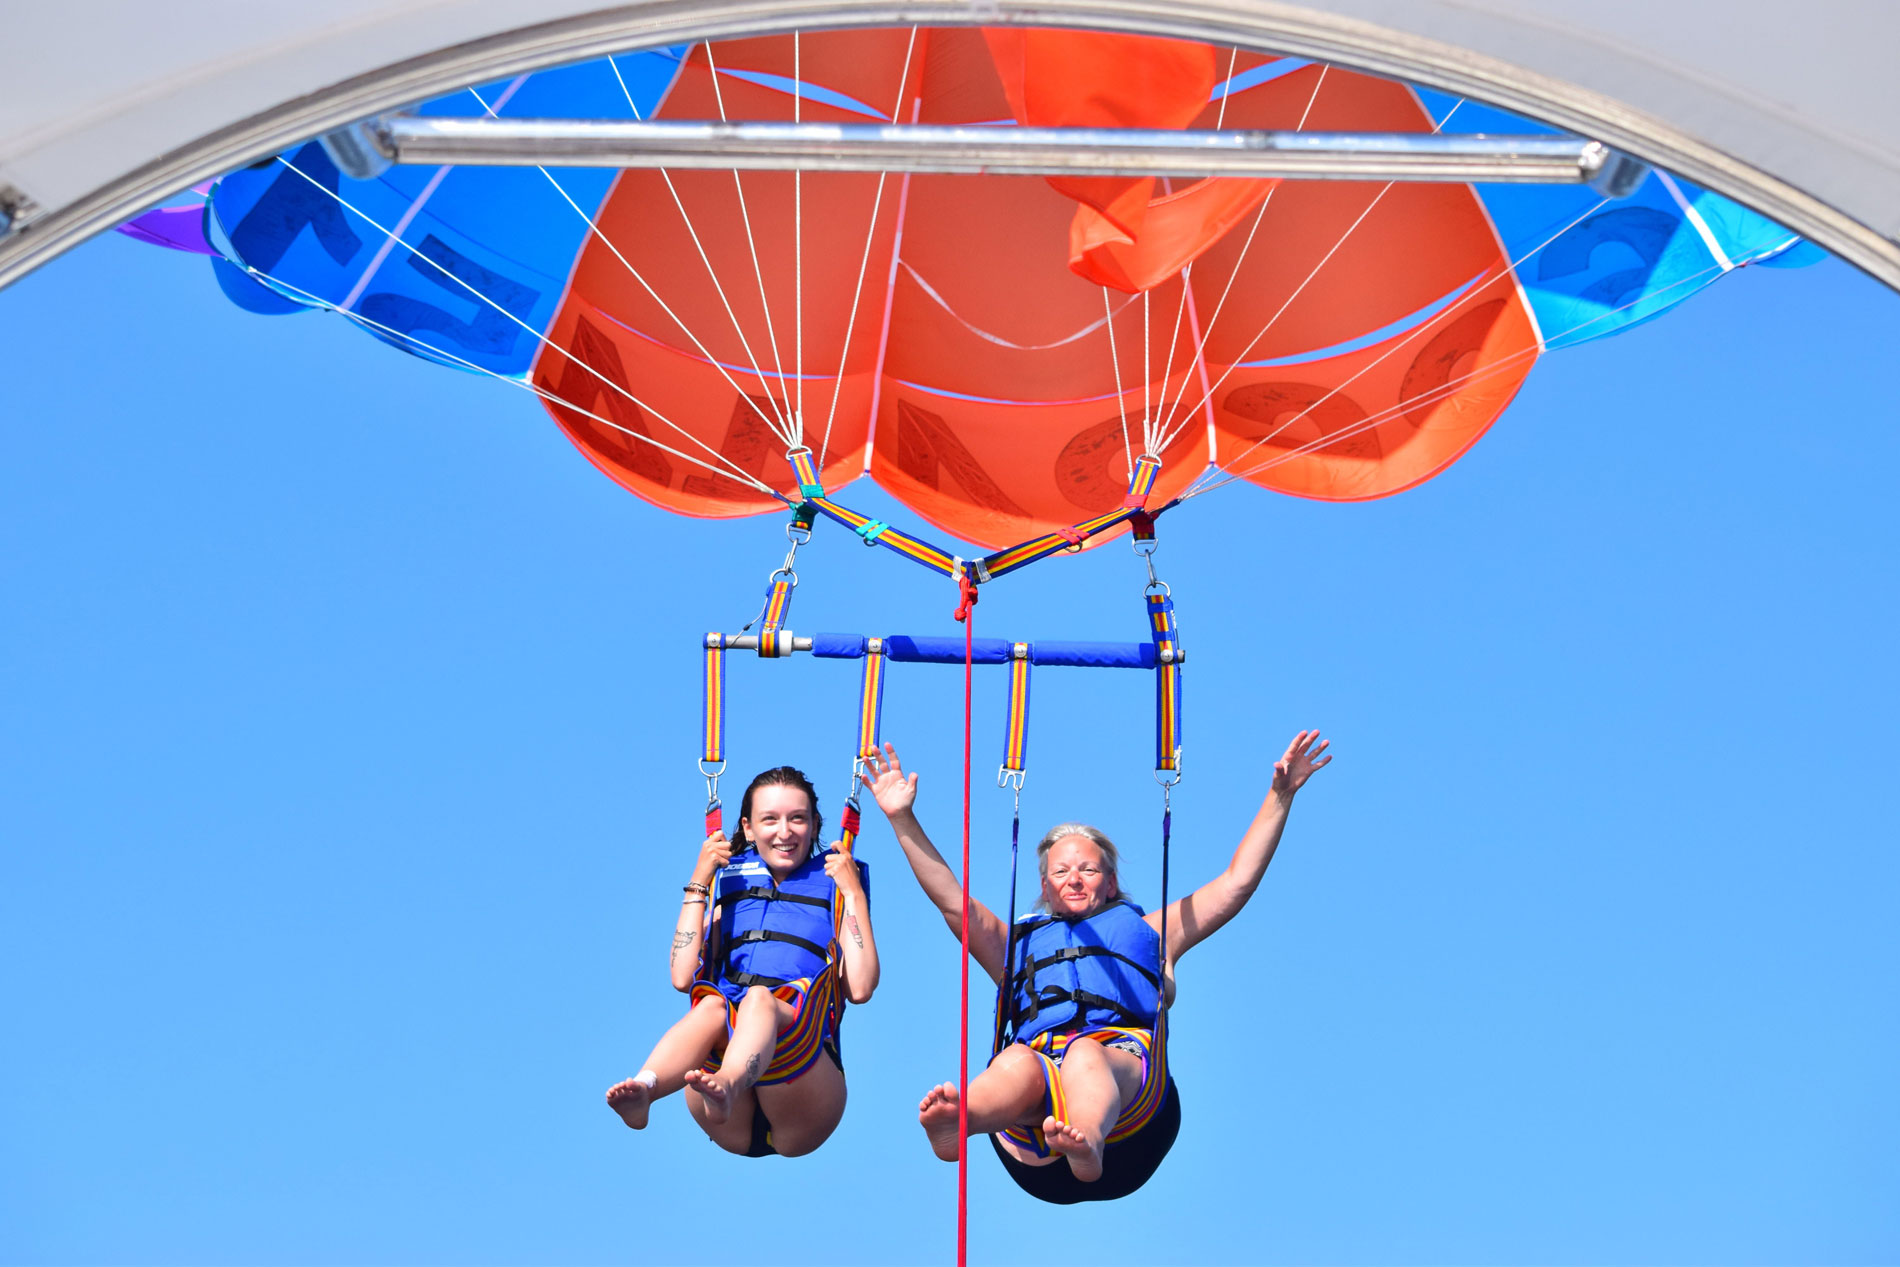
{"points": [[1050, 1048]]}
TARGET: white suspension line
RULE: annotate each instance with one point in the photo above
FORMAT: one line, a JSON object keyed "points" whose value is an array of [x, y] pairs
{"points": [[1147, 375], [1121, 397], [777, 424], [1505, 270], [1208, 395], [536, 334], [1187, 273], [1171, 426], [752, 245], [1434, 394], [771, 423], [1151, 431], [1288, 303], [864, 263], [738, 474]]}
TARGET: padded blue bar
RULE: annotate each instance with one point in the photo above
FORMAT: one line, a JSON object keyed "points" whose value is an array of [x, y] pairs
{"points": [[837, 646], [908, 650], [1094, 655], [905, 649]]}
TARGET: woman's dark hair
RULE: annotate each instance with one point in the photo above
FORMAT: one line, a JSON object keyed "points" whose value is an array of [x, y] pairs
{"points": [[781, 776]]}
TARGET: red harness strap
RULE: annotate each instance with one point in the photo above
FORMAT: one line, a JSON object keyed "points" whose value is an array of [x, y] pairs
{"points": [[966, 613]]}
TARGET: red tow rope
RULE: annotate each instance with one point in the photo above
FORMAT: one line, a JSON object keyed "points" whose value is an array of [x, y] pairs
{"points": [[966, 615]]}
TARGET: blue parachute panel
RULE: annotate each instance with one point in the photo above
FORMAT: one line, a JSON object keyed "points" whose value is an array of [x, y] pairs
{"points": [[415, 247], [1591, 267]]}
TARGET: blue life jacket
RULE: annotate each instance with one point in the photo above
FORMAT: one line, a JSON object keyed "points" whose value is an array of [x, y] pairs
{"points": [[771, 932], [1068, 975]]}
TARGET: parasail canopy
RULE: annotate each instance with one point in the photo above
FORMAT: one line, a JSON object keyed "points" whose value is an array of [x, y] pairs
{"points": [[994, 351]]}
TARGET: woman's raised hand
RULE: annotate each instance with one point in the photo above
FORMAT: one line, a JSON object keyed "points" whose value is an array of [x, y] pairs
{"points": [[714, 854], [884, 775], [1291, 771]]}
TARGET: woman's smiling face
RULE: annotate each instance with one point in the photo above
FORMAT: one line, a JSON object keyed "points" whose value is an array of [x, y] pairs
{"points": [[780, 827]]}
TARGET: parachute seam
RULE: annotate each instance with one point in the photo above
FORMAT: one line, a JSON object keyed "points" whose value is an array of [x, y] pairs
{"points": [[988, 337]]}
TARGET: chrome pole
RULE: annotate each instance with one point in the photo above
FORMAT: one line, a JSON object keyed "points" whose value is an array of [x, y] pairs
{"points": [[1021, 151]]}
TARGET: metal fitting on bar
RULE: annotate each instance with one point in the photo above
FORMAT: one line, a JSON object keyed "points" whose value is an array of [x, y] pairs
{"points": [[750, 642], [16, 210], [1613, 173], [360, 151]]}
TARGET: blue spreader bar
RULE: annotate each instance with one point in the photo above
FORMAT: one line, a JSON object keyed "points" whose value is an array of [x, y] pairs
{"points": [[905, 649]]}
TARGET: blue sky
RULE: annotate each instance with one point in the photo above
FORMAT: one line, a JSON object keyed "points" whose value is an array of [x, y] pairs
{"points": [[347, 773]]}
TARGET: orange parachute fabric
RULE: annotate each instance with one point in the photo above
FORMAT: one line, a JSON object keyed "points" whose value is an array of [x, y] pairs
{"points": [[1010, 337]]}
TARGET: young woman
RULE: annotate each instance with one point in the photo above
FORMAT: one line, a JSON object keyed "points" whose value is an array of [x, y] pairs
{"points": [[773, 937], [1083, 1083]]}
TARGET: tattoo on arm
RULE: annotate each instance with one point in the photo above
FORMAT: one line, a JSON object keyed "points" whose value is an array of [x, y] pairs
{"points": [[851, 922], [682, 938]]}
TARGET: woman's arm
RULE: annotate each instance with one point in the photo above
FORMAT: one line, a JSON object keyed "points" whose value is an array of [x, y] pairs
{"points": [[859, 972], [896, 794], [1195, 916], [695, 914]]}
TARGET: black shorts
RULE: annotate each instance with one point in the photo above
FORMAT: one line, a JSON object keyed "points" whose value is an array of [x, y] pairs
{"points": [[1125, 1166]]}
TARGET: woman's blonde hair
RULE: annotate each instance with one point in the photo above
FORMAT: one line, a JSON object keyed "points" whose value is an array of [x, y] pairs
{"points": [[1111, 856]]}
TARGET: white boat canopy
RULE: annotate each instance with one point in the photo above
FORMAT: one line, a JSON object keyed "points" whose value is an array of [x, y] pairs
{"points": [[1793, 110]]}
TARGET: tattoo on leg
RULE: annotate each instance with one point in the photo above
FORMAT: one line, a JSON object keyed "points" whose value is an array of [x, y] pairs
{"points": [[752, 1068]]}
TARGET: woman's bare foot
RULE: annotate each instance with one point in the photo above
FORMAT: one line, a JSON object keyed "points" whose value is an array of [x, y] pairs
{"points": [[1085, 1157], [938, 1116], [631, 1100], [716, 1094]]}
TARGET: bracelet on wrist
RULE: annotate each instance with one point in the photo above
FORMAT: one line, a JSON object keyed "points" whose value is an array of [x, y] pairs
{"points": [[694, 886], [693, 899]]}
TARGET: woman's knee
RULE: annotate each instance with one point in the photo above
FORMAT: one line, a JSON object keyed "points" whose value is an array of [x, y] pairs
{"points": [[1016, 1059], [1086, 1048], [757, 997]]}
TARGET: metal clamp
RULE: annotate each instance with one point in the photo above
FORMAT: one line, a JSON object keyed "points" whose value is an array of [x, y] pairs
{"points": [[712, 781]]}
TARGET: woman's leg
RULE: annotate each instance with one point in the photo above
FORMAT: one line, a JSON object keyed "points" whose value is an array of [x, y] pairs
{"points": [[1096, 1082], [805, 1111], [723, 1102], [683, 1047], [1008, 1093]]}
